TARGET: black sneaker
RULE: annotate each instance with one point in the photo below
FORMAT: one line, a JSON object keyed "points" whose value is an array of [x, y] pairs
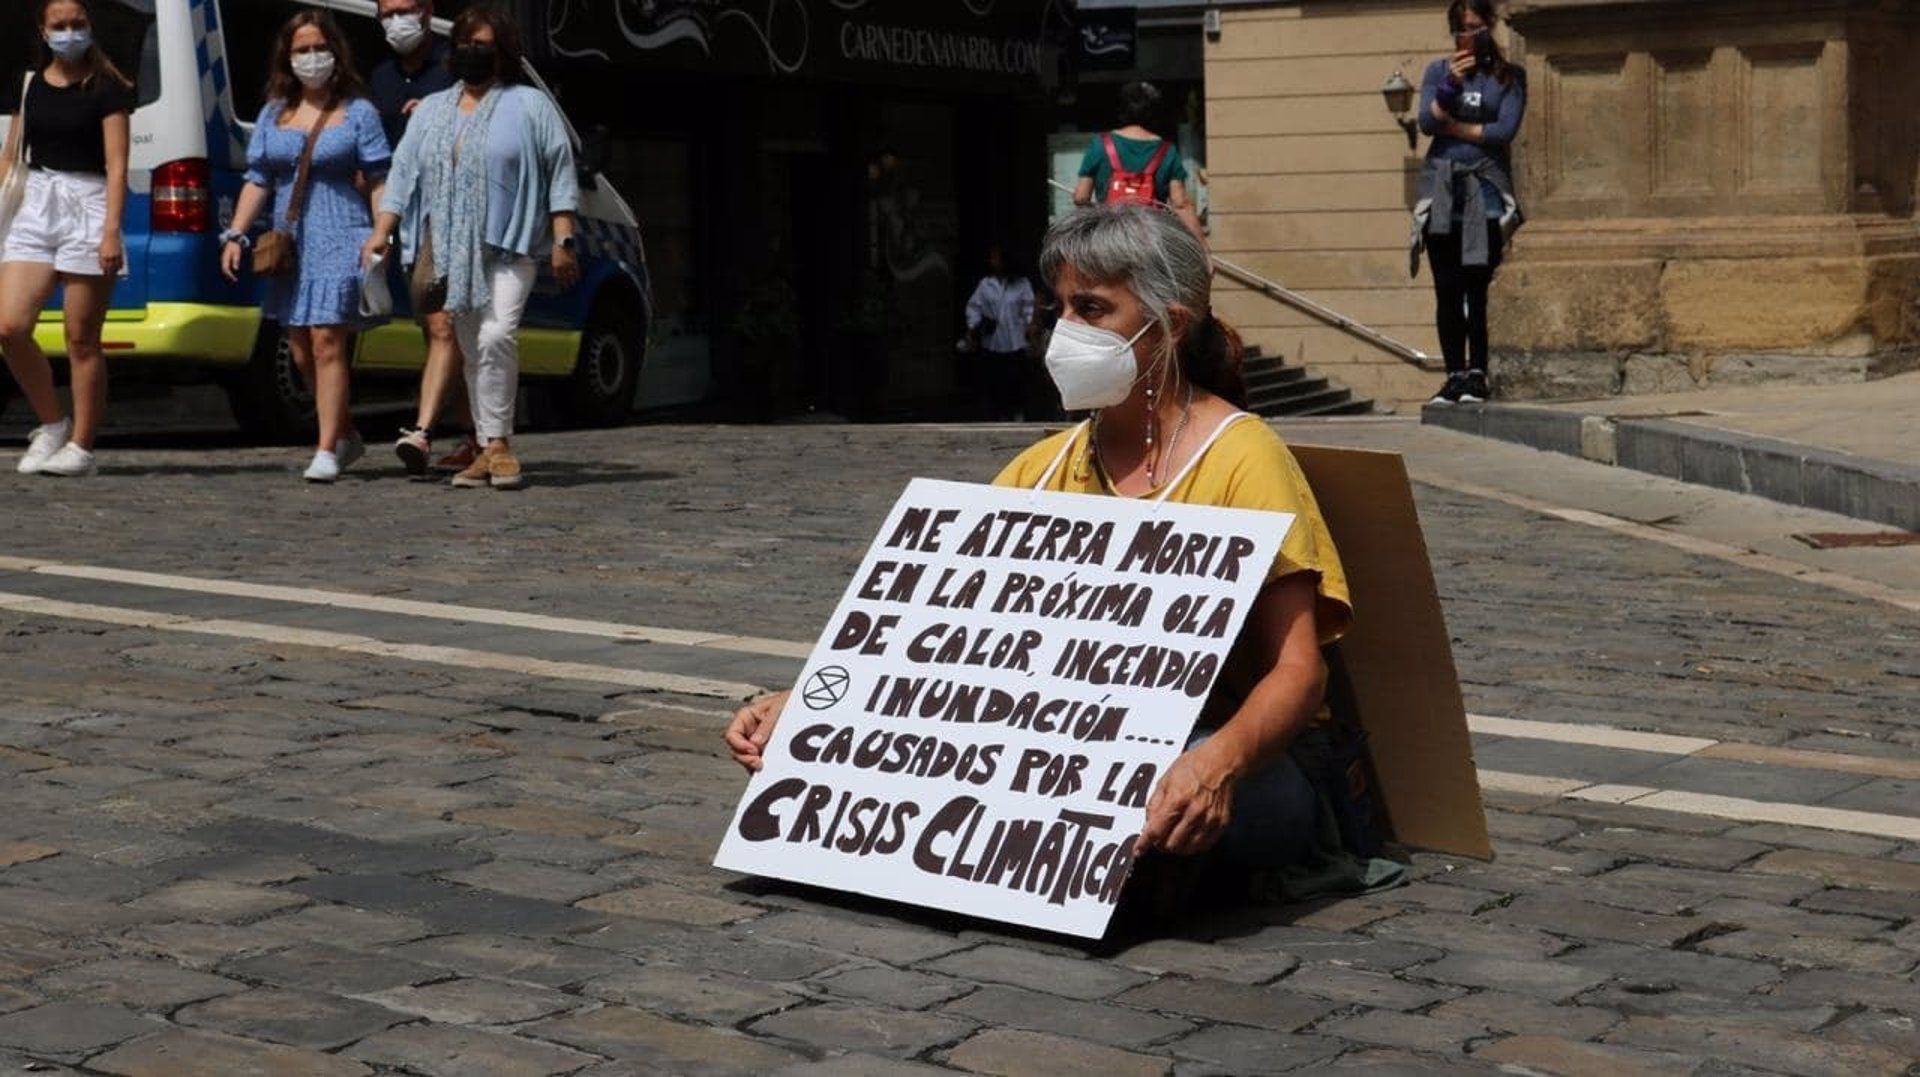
{"points": [[1452, 391], [1476, 391]]}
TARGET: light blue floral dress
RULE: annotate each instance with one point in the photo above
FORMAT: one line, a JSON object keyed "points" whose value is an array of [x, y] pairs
{"points": [[336, 222]]}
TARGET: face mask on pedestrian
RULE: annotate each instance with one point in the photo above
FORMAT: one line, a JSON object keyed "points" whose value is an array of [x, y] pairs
{"points": [[404, 32], [473, 62], [313, 69], [70, 45], [1092, 367]]}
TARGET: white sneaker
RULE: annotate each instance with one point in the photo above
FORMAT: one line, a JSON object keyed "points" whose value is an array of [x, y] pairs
{"points": [[43, 443], [349, 449], [71, 462], [325, 467]]}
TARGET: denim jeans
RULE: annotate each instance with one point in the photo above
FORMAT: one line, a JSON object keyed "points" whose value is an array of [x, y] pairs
{"points": [[1274, 812]]}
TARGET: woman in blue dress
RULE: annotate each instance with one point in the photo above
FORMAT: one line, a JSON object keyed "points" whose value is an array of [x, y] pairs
{"points": [[314, 84]]}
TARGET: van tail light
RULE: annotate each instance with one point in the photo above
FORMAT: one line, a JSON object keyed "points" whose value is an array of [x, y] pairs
{"points": [[183, 196]]}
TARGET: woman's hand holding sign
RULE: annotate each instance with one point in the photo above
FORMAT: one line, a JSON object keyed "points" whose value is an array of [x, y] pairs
{"points": [[1191, 805], [752, 727]]}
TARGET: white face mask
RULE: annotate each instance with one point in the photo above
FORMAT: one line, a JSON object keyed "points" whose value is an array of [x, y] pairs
{"points": [[313, 69], [404, 32], [1092, 367]]}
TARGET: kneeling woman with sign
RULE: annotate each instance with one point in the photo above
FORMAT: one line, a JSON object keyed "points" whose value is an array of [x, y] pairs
{"points": [[1139, 347]]}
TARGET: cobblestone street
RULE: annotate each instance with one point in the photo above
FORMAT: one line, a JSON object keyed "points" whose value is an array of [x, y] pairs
{"points": [[391, 778]]}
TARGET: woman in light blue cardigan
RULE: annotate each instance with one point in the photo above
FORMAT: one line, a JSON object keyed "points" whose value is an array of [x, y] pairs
{"points": [[489, 166]]}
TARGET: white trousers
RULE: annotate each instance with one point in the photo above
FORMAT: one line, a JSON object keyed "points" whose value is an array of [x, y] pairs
{"points": [[490, 341]]}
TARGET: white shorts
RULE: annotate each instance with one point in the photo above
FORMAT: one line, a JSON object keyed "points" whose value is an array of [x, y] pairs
{"points": [[60, 222]]}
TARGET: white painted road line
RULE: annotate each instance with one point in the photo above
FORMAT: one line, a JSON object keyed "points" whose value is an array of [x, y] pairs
{"points": [[461, 657], [1877, 824], [1898, 827], [1531, 785], [1607, 736], [1590, 734], [1893, 826], [1807, 759], [310, 596], [1600, 736], [1611, 794]]}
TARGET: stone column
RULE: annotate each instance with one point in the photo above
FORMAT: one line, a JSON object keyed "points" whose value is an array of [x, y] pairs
{"points": [[1719, 192]]}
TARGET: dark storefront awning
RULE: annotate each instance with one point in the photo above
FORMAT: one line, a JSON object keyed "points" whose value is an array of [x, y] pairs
{"points": [[1158, 6], [978, 46]]}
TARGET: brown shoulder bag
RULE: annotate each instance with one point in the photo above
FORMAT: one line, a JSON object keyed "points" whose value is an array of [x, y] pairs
{"points": [[277, 254]]}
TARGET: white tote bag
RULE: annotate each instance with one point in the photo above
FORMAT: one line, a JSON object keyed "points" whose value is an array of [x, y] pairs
{"points": [[13, 189], [376, 298]]}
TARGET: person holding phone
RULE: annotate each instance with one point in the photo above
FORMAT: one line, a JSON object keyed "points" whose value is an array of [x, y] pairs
{"points": [[1472, 104]]}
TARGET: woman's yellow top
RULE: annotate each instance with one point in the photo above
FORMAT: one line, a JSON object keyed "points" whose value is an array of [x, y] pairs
{"points": [[1248, 467]]}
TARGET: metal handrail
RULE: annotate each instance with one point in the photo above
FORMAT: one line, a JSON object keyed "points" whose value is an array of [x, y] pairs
{"points": [[1307, 306], [1331, 317]]}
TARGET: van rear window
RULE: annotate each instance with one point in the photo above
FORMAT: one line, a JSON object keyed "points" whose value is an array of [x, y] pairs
{"points": [[124, 29]]}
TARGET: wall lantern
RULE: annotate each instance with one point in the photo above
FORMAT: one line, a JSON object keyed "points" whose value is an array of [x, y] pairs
{"points": [[1399, 95]]}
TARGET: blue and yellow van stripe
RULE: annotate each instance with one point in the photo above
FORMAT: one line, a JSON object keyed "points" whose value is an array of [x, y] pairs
{"points": [[203, 332], [226, 142], [225, 335]]}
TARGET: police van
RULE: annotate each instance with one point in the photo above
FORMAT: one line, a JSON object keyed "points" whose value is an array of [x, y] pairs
{"points": [[199, 67]]}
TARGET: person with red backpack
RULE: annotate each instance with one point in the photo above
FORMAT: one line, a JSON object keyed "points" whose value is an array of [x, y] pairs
{"points": [[1133, 164]]}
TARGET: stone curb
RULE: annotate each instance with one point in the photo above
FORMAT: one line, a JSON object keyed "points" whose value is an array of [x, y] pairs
{"points": [[1784, 471]]}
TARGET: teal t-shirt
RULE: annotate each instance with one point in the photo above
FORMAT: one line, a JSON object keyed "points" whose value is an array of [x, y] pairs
{"points": [[1134, 155]]}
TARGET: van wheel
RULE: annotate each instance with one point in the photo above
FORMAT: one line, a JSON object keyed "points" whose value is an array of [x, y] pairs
{"points": [[607, 373], [268, 397]]}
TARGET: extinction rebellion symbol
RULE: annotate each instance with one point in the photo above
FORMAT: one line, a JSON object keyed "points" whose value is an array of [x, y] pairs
{"points": [[826, 687]]}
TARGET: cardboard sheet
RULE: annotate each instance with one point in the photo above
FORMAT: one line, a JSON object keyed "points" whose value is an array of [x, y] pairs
{"points": [[1398, 653]]}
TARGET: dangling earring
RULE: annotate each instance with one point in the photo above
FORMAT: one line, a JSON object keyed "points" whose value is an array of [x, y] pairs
{"points": [[1153, 419], [1153, 415]]}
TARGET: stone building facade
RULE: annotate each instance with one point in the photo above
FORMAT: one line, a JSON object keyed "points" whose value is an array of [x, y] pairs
{"points": [[1719, 191], [1312, 181], [1722, 191]]}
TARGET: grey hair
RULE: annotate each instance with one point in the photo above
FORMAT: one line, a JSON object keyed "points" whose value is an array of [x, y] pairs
{"points": [[1149, 252], [1144, 249]]}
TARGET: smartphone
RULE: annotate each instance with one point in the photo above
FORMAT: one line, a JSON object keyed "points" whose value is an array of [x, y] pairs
{"points": [[1479, 43]]}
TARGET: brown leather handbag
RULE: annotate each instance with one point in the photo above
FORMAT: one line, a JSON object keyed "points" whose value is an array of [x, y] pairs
{"points": [[277, 254]]}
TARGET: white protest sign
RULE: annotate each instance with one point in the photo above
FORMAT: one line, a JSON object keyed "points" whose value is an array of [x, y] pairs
{"points": [[1007, 675]]}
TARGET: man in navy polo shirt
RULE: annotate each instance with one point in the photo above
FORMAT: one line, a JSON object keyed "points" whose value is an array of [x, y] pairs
{"points": [[418, 66], [418, 69]]}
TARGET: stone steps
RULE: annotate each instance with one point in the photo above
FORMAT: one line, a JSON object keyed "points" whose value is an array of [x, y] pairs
{"points": [[1275, 389]]}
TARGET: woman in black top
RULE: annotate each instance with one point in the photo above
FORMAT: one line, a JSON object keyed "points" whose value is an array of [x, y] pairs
{"points": [[67, 231]]}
